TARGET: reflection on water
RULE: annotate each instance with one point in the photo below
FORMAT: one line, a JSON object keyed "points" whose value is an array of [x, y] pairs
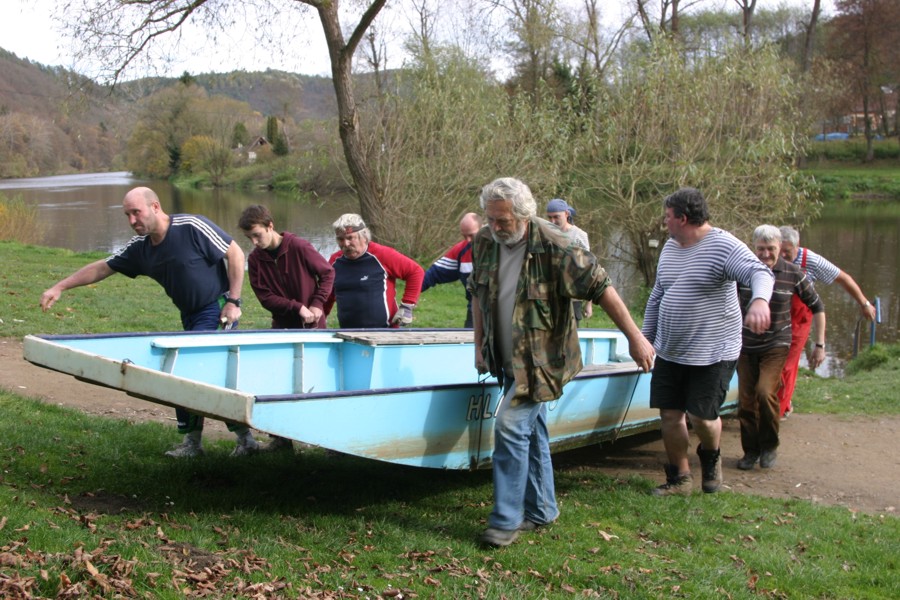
{"points": [[864, 242], [84, 212]]}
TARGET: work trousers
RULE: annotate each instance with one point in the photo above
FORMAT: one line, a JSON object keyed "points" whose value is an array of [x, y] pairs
{"points": [[759, 378]]}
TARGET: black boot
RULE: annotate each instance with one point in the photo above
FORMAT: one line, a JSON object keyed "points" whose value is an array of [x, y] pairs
{"points": [[676, 484], [711, 465]]}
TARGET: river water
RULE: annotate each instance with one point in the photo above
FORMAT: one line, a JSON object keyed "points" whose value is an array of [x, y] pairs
{"points": [[84, 213]]}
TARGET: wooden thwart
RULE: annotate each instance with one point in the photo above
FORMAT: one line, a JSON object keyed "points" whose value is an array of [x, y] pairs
{"points": [[409, 337]]}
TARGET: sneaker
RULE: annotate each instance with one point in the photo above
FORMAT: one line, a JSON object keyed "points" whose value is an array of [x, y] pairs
{"points": [[767, 458], [277, 444], [786, 414], [746, 463], [245, 447], [675, 485], [186, 449], [711, 465], [499, 537]]}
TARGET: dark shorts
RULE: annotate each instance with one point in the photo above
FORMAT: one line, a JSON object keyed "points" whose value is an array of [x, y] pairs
{"points": [[698, 390]]}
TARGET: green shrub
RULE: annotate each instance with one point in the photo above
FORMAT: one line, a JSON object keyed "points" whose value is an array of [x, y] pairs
{"points": [[875, 357], [853, 149], [887, 149]]}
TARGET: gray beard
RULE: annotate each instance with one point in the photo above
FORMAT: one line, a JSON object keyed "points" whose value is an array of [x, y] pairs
{"points": [[512, 239]]}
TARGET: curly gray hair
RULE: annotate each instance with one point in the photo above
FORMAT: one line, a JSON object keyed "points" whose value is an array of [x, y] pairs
{"points": [[512, 190], [352, 223]]}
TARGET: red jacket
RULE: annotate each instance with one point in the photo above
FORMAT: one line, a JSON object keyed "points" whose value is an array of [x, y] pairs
{"points": [[365, 288]]}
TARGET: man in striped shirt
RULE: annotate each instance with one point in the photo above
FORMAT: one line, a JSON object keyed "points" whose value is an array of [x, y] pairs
{"points": [[694, 322], [763, 355], [200, 267], [817, 268]]}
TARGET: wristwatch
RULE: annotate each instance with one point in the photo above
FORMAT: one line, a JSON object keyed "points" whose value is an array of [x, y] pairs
{"points": [[235, 301], [820, 345]]}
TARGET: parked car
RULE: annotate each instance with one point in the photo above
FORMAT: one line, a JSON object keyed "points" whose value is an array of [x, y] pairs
{"points": [[834, 135]]}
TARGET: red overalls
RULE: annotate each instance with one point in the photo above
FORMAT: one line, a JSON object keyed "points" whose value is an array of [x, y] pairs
{"points": [[801, 322]]}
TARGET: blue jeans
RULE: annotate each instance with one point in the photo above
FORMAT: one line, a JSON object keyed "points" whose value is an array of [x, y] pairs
{"points": [[205, 319], [523, 472]]}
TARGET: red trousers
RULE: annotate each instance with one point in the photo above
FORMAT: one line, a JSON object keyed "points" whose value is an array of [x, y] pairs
{"points": [[801, 323]]}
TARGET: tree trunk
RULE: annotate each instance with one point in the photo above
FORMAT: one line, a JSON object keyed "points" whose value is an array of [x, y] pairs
{"points": [[870, 135], [810, 36], [369, 190]]}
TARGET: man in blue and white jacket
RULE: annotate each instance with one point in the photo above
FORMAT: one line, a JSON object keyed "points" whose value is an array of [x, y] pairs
{"points": [[456, 263]]}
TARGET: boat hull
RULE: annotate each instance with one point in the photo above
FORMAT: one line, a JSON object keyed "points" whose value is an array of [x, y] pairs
{"points": [[411, 397]]}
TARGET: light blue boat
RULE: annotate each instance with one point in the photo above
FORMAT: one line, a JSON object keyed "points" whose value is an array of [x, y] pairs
{"points": [[408, 396]]}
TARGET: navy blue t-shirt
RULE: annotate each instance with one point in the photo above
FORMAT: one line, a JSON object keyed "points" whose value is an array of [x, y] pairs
{"points": [[361, 288], [188, 264]]}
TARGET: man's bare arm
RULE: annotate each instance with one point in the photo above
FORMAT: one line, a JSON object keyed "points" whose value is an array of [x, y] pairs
{"points": [[848, 283], [235, 257], [86, 275], [640, 349]]}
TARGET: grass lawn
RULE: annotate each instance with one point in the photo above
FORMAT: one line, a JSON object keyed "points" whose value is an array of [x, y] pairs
{"points": [[90, 507]]}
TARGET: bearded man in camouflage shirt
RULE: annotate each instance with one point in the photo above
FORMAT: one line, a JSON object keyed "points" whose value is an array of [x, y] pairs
{"points": [[525, 275]]}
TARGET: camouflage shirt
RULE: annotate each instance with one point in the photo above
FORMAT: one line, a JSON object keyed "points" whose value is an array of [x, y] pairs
{"points": [[546, 353]]}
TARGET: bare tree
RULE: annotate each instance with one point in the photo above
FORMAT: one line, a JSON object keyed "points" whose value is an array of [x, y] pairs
{"points": [[116, 33], [534, 24], [863, 40], [809, 37], [422, 23], [747, 7], [585, 33], [664, 22], [667, 20]]}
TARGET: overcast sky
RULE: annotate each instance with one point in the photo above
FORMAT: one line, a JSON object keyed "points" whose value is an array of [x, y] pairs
{"points": [[27, 29]]}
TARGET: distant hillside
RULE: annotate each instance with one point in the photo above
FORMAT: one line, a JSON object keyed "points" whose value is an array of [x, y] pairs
{"points": [[270, 92], [62, 122], [54, 121]]}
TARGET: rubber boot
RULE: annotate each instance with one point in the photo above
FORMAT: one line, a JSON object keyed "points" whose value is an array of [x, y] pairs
{"points": [[191, 447], [245, 443]]}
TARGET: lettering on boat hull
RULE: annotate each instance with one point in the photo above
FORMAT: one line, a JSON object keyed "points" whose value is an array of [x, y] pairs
{"points": [[479, 407]]}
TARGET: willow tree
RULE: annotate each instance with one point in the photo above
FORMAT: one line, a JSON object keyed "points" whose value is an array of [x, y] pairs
{"points": [[115, 34], [727, 125], [448, 130]]}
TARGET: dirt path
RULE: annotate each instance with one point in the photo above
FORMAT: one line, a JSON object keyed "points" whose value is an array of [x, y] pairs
{"points": [[826, 459]]}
